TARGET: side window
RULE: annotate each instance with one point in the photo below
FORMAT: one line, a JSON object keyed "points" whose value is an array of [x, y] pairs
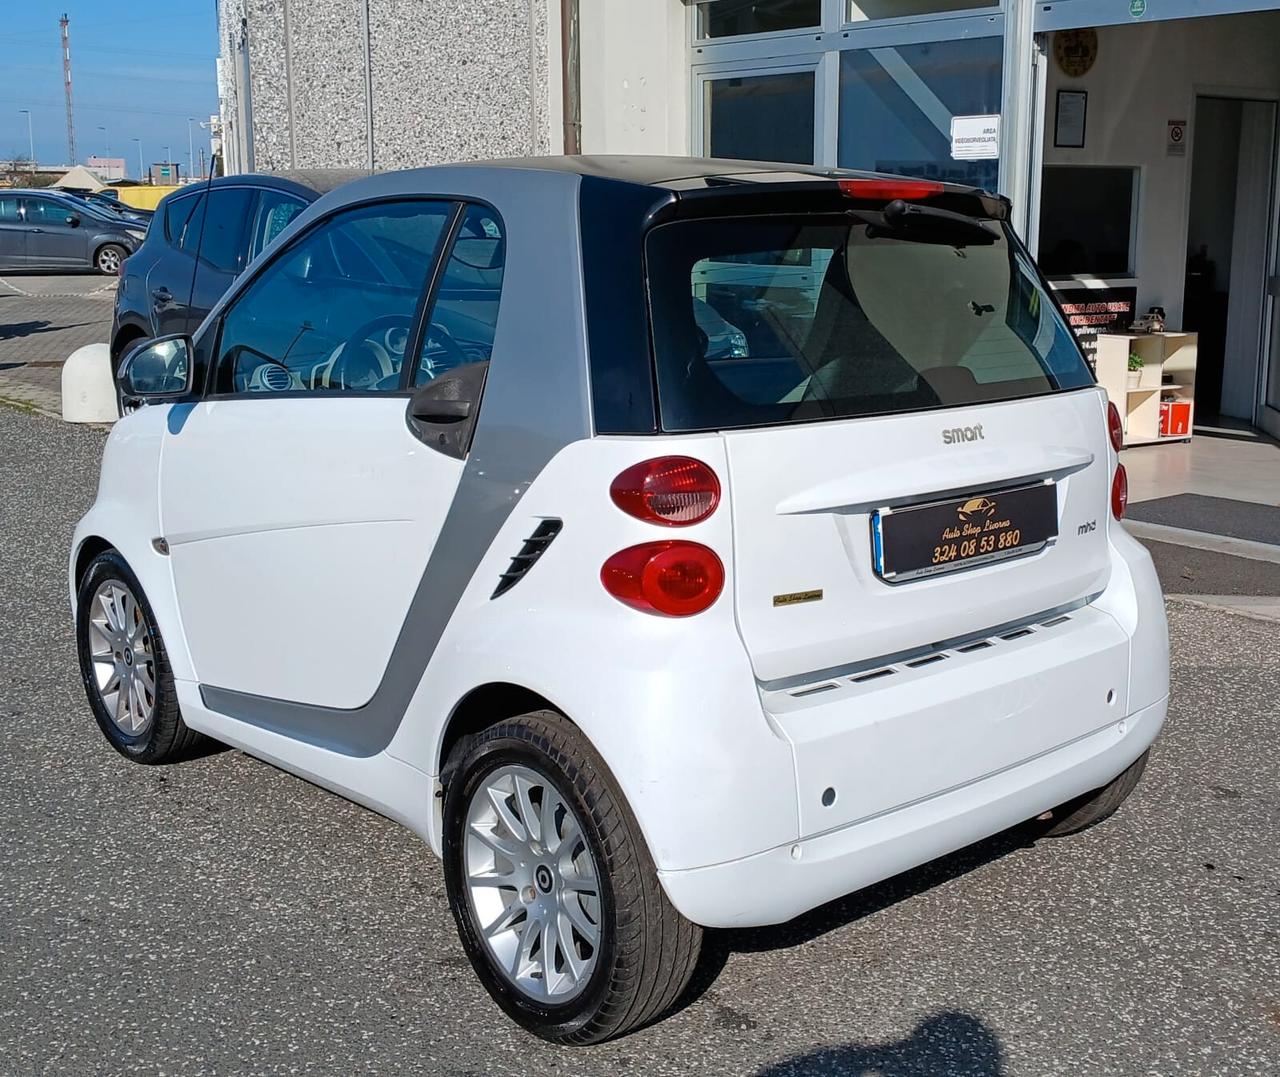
{"points": [[8, 210], [177, 212], [46, 211], [336, 309], [189, 240], [275, 210], [221, 242], [464, 313]]}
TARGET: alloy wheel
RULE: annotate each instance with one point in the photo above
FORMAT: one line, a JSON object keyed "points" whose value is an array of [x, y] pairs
{"points": [[123, 655], [532, 884], [109, 260]]}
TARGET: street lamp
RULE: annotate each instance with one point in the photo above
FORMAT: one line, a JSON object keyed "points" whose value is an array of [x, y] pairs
{"points": [[31, 138], [140, 166], [106, 137], [191, 149]]}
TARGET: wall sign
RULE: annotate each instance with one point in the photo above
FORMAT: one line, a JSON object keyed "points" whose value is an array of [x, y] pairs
{"points": [[1091, 311], [1176, 139], [1137, 8], [975, 138], [1075, 51], [1068, 124]]}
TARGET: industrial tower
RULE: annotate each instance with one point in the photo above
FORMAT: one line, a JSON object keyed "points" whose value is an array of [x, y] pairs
{"points": [[65, 23]]}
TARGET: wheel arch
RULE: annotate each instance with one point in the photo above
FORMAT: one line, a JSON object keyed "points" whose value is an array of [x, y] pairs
{"points": [[484, 706], [90, 547], [128, 333]]}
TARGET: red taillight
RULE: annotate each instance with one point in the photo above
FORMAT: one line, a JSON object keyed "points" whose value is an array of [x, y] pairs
{"points": [[675, 578], [671, 490], [889, 189], [1114, 427], [1119, 492]]}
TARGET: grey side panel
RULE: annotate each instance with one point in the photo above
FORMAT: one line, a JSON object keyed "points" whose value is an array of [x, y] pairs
{"points": [[536, 401]]}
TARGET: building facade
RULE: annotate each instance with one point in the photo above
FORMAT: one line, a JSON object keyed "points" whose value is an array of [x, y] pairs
{"points": [[1136, 139]]}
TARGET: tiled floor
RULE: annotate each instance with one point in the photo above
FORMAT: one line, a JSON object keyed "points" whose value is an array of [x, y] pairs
{"points": [[1241, 467]]}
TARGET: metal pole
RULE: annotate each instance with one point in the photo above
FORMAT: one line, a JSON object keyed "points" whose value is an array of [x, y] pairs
{"points": [[106, 137], [65, 24], [571, 76], [141, 168], [191, 150], [31, 139]]}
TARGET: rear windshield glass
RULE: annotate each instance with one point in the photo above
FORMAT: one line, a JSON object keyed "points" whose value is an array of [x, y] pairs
{"points": [[794, 319]]}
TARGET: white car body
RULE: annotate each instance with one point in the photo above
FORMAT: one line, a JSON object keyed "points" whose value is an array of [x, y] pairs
{"points": [[285, 544]]}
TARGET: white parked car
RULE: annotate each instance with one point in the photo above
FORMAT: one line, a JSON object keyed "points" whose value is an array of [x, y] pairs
{"points": [[453, 505]]}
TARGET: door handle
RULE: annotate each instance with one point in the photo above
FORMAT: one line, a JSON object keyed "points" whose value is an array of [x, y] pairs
{"points": [[37, 230], [162, 295]]}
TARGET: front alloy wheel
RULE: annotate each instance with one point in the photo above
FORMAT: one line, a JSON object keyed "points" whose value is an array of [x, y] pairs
{"points": [[123, 660]]}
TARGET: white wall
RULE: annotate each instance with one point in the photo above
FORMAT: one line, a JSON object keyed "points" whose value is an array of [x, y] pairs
{"points": [[635, 76], [1146, 75]]}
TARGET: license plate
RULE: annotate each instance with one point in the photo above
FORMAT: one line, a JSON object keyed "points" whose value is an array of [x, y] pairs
{"points": [[924, 540]]}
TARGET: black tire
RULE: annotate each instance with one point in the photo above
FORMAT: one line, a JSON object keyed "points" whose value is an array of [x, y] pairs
{"points": [[166, 739], [1092, 808], [648, 950], [109, 257]]}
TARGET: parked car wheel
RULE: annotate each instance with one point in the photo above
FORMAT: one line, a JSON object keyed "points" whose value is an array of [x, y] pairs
{"points": [[1083, 812], [555, 895], [125, 668], [109, 258]]}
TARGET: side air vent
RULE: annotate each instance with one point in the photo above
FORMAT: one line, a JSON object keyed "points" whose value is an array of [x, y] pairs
{"points": [[276, 379], [534, 547]]}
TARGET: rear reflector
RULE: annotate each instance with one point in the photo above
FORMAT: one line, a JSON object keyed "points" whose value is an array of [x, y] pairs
{"points": [[1119, 492], [889, 189], [671, 490], [675, 578], [1114, 427]]}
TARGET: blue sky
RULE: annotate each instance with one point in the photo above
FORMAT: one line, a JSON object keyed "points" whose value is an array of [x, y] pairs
{"points": [[138, 68]]}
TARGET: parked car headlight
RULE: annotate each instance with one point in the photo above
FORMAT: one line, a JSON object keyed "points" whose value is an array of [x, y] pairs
{"points": [[137, 233]]}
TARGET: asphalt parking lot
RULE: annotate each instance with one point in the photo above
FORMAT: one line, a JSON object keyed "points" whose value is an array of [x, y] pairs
{"points": [[223, 917]]}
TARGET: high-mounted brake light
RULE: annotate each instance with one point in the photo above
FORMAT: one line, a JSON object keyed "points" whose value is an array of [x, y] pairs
{"points": [[670, 490], [1119, 492], [1114, 427], [889, 189], [675, 578]]}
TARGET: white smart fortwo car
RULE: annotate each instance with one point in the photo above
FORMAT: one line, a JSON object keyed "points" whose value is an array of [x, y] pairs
{"points": [[671, 543]]}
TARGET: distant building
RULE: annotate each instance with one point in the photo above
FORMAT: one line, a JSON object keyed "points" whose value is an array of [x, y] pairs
{"points": [[166, 172], [107, 169]]}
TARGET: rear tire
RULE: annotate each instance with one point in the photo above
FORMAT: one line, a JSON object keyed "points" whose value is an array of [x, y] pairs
{"points": [[644, 951], [125, 668], [109, 258], [1092, 808]]}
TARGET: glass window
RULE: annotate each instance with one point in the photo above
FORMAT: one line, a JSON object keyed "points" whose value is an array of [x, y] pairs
{"points": [[728, 18], [464, 314], [1087, 220], [46, 211], [797, 319], [177, 212], [761, 117], [275, 210], [860, 10], [336, 309], [189, 241], [222, 239], [896, 106], [8, 208]]}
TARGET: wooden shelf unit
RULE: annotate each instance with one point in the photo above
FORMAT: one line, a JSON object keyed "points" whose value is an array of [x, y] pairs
{"points": [[1164, 356]]}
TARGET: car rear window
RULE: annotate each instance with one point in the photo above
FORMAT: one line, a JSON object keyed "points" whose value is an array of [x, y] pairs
{"points": [[764, 320], [177, 212]]}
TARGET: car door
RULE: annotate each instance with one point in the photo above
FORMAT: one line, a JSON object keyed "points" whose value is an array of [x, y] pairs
{"points": [[299, 507], [13, 234], [221, 254], [52, 242], [172, 274]]}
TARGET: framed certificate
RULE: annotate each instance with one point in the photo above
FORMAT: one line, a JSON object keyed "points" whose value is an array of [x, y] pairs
{"points": [[1068, 126]]}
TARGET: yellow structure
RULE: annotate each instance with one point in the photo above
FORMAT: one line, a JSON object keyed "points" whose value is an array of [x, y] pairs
{"points": [[145, 196]]}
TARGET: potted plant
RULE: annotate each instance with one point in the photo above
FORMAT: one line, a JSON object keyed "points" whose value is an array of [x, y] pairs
{"points": [[1135, 370]]}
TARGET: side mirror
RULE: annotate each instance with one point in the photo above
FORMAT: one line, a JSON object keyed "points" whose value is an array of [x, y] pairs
{"points": [[156, 370], [443, 412], [73, 220]]}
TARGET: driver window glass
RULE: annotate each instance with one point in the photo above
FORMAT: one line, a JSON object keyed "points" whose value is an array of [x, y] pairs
{"points": [[336, 310], [464, 313], [42, 211]]}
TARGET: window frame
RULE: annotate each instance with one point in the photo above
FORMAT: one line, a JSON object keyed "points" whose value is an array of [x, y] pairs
{"points": [[413, 345], [810, 63]]}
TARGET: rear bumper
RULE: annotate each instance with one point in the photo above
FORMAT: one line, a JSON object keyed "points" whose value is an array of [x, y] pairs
{"points": [[773, 886]]}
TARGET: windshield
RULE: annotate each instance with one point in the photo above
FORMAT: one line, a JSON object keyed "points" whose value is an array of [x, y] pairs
{"points": [[770, 320]]}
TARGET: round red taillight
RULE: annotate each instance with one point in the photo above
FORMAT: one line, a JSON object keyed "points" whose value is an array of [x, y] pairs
{"points": [[675, 578], [1115, 427], [1119, 492], [671, 490]]}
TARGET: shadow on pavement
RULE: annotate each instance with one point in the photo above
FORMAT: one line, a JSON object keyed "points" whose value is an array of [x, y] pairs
{"points": [[955, 1044], [16, 330], [717, 945]]}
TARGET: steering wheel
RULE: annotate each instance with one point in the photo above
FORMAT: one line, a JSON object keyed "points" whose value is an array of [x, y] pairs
{"points": [[361, 363], [439, 343]]}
